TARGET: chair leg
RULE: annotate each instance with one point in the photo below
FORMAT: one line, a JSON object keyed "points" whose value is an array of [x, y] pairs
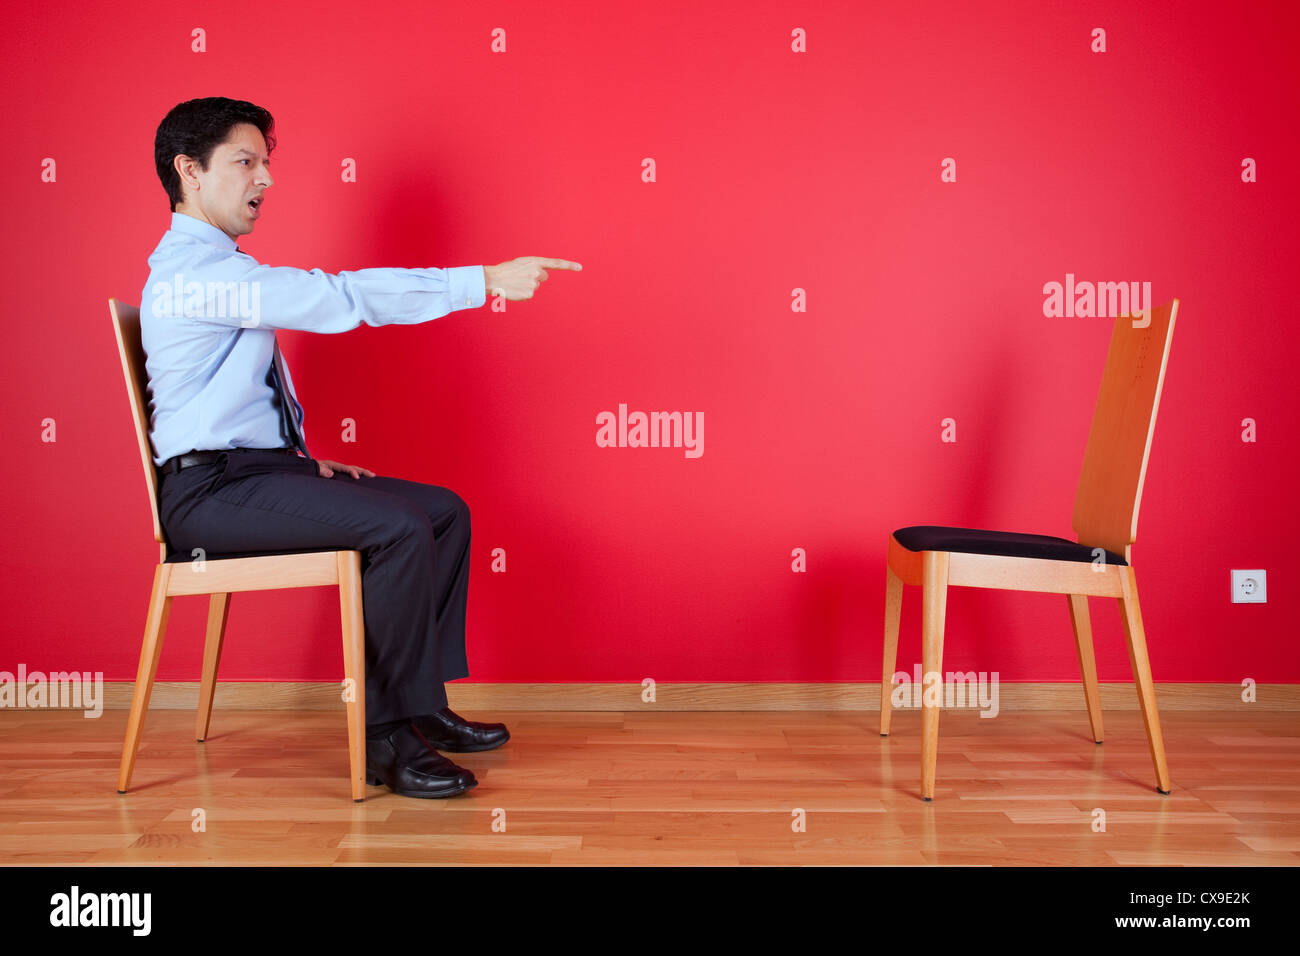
{"points": [[893, 610], [1137, 656], [1087, 660], [354, 666], [218, 608], [934, 606], [155, 628]]}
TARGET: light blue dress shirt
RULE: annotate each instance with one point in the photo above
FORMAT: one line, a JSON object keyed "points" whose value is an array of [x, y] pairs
{"points": [[208, 317]]}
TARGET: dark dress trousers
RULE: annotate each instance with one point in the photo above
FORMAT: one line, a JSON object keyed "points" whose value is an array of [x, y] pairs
{"points": [[414, 541]]}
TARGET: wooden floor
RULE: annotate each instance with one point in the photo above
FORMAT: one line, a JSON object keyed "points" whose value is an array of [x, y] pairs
{"points": [[661, 788]]}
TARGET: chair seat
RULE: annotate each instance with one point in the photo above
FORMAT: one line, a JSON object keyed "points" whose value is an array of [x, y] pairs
{"points": [[180, 557], [1005, 543]]}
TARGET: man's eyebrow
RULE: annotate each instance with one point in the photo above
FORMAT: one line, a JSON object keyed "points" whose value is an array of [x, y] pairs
{"points": [[248, 151]]}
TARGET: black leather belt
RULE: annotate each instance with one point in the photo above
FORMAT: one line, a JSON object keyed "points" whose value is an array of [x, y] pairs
{"points": [[173, 465]]}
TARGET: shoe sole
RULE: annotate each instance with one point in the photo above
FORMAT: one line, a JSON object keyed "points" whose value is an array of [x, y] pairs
{"points": [[372, 781], [470, 750]]}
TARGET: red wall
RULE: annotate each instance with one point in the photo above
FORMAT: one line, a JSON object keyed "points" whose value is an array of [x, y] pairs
{"points": [[775, 171]]}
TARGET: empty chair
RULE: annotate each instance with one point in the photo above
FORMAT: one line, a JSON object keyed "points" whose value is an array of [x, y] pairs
{"points": [[1097, 564]]}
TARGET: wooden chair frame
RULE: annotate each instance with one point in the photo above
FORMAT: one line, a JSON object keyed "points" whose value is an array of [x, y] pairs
{"points": [[219, 578], [1105, 516]]}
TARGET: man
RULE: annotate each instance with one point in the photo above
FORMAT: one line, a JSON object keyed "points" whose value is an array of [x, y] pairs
{"points": [[228, 437]]}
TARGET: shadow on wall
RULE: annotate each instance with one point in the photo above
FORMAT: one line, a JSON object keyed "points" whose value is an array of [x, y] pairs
{"points": [[847, 604]]}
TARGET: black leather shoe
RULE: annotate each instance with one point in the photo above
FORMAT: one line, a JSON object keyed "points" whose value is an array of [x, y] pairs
{"points": [[449, 731], [408, 765]]}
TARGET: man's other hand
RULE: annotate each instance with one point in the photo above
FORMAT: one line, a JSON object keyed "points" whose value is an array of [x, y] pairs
{"points": [[327, 469], [519, 278]]}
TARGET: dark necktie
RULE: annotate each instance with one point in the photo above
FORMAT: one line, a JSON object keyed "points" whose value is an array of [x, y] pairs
{"points": [[290, 429]]}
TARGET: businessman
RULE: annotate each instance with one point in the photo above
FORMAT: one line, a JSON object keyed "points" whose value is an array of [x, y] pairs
{"points": [[228, 433]]}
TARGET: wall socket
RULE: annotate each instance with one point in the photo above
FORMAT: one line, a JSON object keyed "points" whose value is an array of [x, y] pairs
{"points": [[1249, 587]]}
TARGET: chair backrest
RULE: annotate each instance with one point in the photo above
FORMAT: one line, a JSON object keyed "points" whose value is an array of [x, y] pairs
{"points": [[1115, 464], [126, 328]]}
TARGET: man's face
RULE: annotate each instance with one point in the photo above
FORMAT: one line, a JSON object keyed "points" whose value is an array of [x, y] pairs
{"points": [[237, 175]]}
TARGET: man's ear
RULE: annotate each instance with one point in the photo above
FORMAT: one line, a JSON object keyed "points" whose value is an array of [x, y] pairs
{"points": [[186, 167]]}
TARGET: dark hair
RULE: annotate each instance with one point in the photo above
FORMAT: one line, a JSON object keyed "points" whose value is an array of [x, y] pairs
{"points": [[195, 128]]}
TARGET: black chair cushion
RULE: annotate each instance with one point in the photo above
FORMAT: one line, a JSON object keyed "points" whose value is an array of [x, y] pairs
{"points": [[1006, 543], [178, 557]]}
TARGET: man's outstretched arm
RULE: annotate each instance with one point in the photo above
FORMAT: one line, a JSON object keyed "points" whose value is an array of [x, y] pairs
{"points": [[311, 300]]}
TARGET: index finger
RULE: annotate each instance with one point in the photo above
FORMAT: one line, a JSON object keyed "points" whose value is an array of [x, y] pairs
{"points": [[560, 264]]}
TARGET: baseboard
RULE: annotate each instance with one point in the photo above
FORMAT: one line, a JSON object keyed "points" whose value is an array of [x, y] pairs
{"points": [[266, 695]]}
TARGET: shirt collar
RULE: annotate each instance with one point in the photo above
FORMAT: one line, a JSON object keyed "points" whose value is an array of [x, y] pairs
{"points": [[201, 230]]}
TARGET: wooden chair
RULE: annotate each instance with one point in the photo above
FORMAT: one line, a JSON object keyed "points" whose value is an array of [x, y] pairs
{"points": [[222, 575], [1105, 520]]}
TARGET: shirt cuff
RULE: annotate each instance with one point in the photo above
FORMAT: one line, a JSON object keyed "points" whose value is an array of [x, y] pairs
{"points": [[467, 287]]}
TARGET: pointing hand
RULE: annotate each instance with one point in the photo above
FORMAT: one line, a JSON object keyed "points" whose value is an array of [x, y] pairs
{"points": [[519, 278]]}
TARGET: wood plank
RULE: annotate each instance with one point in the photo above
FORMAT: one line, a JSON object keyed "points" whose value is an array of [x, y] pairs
{"points": [[614, 701], [662, 788]]}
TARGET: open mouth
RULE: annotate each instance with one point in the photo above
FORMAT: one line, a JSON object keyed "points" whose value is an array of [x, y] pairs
{"points": [[255, 205]]}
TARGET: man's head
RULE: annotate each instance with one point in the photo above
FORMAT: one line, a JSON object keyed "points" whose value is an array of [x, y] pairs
{"points": [[213, 157]]}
